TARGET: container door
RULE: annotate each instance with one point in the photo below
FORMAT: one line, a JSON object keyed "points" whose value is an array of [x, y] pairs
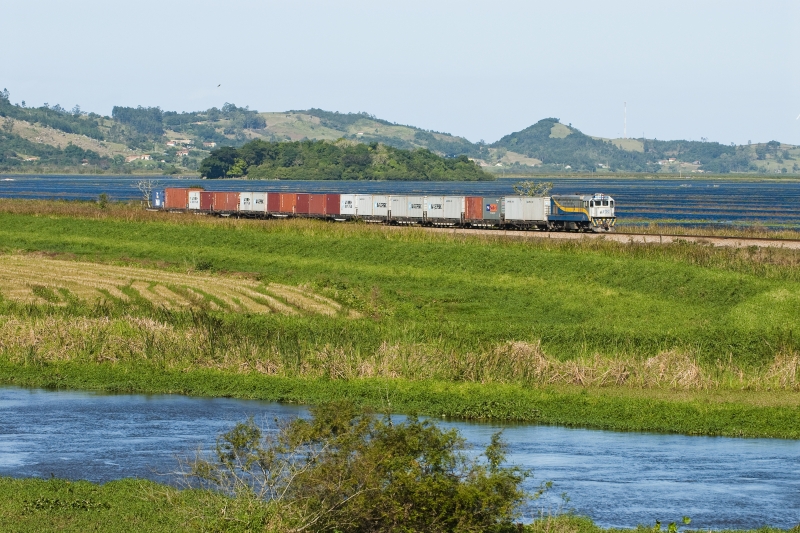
{"points": [[364, 205], [492, 208], [434, 206], [453, 207], [347, 204], [332, 204], [206, 200], [273, 202], [514, 208], [232, 201], [259, 202], [473, 208], [380, 205], [245, 201], [194, 200], [416, 205], [301, 204], [157, 199], [533, 209], [399, 206]]}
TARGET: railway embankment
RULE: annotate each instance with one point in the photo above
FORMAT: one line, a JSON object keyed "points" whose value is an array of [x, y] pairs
{"points": [[628, 237]]}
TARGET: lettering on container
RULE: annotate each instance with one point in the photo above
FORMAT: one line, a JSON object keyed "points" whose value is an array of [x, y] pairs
{"points": [[415, 206], [348, 204], [379, 205], [435, 207]]}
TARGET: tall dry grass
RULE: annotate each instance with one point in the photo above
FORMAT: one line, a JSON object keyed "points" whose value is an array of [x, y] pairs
{"points": [[143, 340]]}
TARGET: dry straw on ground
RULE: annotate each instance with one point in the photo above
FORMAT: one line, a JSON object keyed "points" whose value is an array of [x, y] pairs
{"points": [[35, 279]]}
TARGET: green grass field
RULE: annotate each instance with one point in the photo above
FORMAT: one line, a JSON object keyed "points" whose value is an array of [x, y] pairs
{"points": [[44, 506], [586, 333]]}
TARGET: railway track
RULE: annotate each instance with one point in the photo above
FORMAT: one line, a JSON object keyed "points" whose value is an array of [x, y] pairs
{"points": [[640, 238]]}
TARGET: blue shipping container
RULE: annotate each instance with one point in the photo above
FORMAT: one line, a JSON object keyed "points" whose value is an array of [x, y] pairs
{"points": [[157, 199]]}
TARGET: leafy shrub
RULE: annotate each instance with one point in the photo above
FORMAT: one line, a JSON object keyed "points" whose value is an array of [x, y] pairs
{"points": [[348, 470]]}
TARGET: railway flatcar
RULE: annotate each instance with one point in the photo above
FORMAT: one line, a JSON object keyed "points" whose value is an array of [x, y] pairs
{"points": [[575, 212]]}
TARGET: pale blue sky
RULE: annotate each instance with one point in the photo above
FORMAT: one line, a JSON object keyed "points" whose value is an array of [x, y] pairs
{"points": [[725, 70]]}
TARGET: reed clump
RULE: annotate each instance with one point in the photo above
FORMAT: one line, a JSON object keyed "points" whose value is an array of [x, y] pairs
{"points": [[206, 345]]}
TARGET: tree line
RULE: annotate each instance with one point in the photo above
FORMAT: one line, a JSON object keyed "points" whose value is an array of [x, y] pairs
{"points": [[340, 160]]}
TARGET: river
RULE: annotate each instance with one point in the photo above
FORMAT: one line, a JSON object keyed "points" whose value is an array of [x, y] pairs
{"points": [[617, 479], [772, 203]]}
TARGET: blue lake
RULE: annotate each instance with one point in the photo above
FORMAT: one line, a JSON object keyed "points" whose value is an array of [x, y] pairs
{"points": [[617, 479], [718, 201]]}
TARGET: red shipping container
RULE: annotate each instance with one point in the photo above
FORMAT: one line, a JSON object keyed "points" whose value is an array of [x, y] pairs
{"points": [[206, 201], [301, 204], [473, 208], [273, 202], [176, 198], [332, 204], [316, 204], [226, 201], [288, 201]]}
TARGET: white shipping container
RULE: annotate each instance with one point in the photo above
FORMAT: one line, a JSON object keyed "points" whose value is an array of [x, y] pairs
{"points": [[416, 205], [245, 201], [453, 207], [398, 206], [513, 208], [525, 209], [347, 204], [364, 206], [380, 205], [259, 202], [534, 208], [194, 199], [434, 206]]}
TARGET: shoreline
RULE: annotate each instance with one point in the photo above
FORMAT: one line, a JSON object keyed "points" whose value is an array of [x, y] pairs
{"points": [[694, 413]]}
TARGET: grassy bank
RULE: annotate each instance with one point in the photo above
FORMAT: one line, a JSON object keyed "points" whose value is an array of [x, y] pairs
{"points": [[40, 506], [724, 413], [682, 337]]}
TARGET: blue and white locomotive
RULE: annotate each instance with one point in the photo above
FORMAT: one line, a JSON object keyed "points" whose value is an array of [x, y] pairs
{"points": [[581, 212]]}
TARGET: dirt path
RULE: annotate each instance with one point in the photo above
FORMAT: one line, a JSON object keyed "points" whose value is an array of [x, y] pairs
{"points": [[732, 242]]}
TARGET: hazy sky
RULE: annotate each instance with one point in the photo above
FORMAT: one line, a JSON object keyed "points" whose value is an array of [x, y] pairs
{"points": [[726, 70]]}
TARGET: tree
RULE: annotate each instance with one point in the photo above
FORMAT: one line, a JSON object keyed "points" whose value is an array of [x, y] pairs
{"points": [[348, 470], [533, 188], [219, 162], [146, 188]]}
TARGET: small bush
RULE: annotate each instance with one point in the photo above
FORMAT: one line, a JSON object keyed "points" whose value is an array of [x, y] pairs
{"points": [[348, 470]]}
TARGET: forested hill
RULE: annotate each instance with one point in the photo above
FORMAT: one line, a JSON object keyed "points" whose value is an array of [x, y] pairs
{"points": [[339, 160], [52, 139], [556, 144]]}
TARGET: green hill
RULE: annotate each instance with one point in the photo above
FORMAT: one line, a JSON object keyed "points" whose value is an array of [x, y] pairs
{"points": [[147, 139]]}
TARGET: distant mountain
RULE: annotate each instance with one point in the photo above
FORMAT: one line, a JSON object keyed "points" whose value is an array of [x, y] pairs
{"points": [[147, 139], [555, 144]]}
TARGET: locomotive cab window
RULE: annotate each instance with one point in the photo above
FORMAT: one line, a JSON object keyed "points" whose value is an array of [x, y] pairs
{"points": [[605, 203]]}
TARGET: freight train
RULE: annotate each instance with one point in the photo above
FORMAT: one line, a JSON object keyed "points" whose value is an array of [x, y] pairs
{"points": [[570, 212]]}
